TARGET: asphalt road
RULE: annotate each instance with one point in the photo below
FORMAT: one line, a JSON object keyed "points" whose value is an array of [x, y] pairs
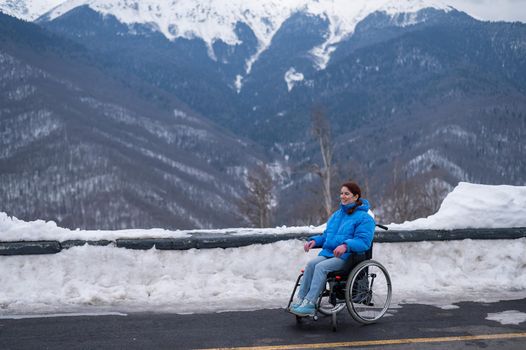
{"points": [[409, 327]]}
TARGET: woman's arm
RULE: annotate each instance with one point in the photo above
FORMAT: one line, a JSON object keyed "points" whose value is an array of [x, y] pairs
{"points": [[319, 240]]}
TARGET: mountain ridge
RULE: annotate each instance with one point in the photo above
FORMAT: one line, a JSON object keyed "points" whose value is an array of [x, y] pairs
{"points": [[86, 151]]}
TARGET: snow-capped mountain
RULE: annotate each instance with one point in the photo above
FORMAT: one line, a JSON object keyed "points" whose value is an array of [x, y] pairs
{"points": [[415, 88], [216, 20]]}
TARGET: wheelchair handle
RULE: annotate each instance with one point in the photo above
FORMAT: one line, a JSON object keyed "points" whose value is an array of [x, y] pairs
{"points": [[382, 227]]}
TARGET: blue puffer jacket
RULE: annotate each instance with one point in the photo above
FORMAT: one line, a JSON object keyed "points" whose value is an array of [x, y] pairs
{"points": [[355, 230]]}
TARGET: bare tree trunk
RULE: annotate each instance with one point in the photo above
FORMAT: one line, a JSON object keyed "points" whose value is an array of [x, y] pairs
{"points": [[256, 204], [321, 131]]}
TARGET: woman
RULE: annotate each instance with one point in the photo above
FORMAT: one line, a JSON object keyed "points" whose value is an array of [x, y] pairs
{"points": [[349, 230]]}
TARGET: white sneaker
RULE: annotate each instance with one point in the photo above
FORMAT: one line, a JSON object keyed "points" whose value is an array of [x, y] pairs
{"points": [[296, 303], [305, 309]]}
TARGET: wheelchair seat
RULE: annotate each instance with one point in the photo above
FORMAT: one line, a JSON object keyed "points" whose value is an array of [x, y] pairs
{"points": [[353, 261]]}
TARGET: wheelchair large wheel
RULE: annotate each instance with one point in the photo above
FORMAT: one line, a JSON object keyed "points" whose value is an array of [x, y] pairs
{"points": [[368, 292]]}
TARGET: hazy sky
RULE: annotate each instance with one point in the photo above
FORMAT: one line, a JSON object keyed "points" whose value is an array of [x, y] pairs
{"points": [[494, 10]]}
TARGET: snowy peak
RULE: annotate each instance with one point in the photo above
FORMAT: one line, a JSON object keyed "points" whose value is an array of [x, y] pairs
{"points": [[28, 10], [343, 17], [213, 20]]}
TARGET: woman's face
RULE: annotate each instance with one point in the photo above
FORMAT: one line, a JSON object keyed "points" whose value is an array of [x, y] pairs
{"points": [[346, 196]]}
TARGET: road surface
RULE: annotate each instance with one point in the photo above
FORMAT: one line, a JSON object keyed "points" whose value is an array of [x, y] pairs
{"points": [[408, 327]]}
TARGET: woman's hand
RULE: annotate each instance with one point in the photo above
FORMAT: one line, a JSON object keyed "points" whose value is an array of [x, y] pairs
{"points": [[340, 250], [309, 245]]}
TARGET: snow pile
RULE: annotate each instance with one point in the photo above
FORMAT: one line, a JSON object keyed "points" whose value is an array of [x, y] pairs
{"points": [[475, 206], [13, 229], [91, 278], [260, 276]]}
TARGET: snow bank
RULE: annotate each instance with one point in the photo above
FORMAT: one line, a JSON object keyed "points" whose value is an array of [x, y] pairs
{"points": [[92, 279], [13, 229], [475, 206]]}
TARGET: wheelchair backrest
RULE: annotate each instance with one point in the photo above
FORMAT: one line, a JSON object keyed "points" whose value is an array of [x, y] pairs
{"points": [[369, 252], [358, 258]]}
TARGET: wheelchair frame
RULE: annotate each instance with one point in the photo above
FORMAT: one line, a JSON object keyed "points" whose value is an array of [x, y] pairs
{"points": [[363, 286]]}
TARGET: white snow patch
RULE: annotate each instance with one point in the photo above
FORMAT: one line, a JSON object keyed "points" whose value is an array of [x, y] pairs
{"points": [[455, 130], [238, 83], [292, 77], [507, 317], [449, 307]]}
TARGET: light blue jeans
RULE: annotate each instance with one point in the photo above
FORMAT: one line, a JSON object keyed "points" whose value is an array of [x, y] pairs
{"points": [[315, 276]]}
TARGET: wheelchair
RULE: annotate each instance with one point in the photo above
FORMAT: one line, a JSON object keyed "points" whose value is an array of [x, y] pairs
{"points": [[363, 286]]}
